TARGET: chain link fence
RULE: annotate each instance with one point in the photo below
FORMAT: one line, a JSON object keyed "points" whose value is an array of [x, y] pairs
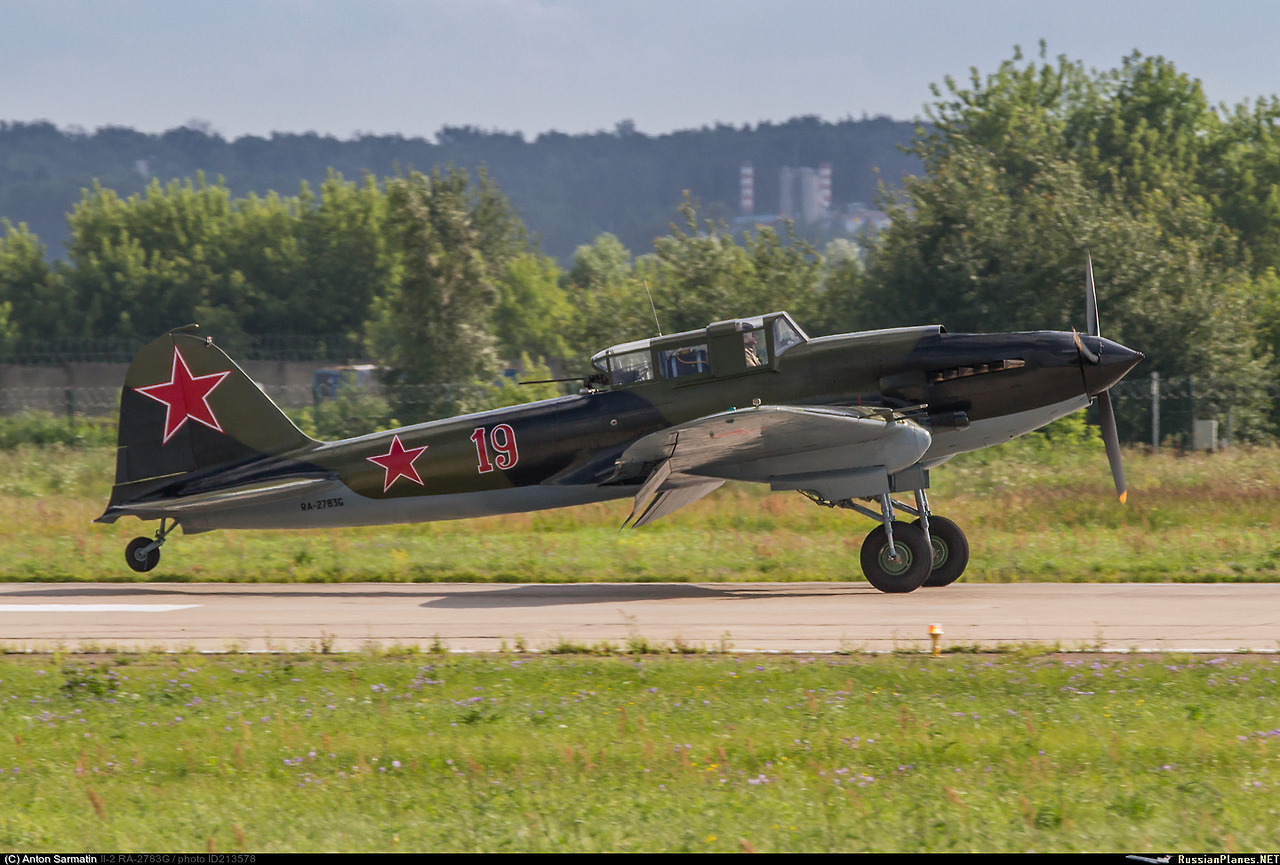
{"points": [[323, 348], [99, 401], [1183, 411], [1151, 410]]}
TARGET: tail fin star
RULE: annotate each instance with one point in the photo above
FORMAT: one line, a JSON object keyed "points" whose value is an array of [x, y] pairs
{"points": [[185, 397]]}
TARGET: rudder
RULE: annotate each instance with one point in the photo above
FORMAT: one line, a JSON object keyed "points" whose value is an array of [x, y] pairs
{"points": [[187, 407]]}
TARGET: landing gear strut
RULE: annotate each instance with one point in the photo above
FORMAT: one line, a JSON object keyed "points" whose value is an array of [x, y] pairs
{"points": [[901, 557], [143, 554]]}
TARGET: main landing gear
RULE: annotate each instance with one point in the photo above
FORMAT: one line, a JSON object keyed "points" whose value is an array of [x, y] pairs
{"points": [[901, 557], [143, 554]]}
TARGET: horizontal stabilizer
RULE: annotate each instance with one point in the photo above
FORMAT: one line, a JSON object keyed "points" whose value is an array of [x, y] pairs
{"points": [[217, 500]]}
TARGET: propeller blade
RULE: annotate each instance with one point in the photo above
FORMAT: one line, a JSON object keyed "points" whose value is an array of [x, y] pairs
{"points": [[1112, 440], [1085, 353], [1107, 414], [1090, 300]]}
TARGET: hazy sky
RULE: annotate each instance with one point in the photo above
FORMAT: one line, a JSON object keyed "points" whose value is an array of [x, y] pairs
{"points": [[343, 67]]}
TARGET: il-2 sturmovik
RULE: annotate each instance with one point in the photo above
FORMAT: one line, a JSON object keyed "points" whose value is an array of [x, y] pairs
{"points": [[851, 421]]}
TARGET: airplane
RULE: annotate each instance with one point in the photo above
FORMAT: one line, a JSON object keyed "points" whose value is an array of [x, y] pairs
{"points": [[850, 421]]}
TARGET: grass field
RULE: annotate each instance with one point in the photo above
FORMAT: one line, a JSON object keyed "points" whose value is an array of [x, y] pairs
{"points": [[390, 751], [1032, 511], [509, 753]]}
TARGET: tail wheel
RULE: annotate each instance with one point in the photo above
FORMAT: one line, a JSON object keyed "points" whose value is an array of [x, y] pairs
{"points": [[905, 566], [138, 559], [950, 551]]}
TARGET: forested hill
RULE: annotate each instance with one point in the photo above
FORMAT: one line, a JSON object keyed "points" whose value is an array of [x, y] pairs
{"points": [[569, 188]]}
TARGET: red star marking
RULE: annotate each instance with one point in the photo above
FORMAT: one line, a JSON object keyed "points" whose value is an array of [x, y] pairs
{"points": [[185, 397], [398, 463]]}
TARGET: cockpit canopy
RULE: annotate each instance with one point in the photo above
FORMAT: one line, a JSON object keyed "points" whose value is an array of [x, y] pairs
{"points": [[725, 348]]}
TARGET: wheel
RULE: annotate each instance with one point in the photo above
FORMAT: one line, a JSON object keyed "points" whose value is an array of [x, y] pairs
{"points": [[912, 566], [137, 559], [950, 551]]}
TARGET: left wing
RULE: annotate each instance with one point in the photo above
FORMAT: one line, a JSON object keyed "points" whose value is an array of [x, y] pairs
{"points": [[836, 452]]}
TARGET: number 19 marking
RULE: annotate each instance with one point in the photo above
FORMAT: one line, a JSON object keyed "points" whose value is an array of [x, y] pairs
{"points": [[502, 438]]}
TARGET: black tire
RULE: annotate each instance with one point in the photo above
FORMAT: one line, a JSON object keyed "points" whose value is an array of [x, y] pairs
{"points": [[139, 561], [914, 564], [950, 551]]}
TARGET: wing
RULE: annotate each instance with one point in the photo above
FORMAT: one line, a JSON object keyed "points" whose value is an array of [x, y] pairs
{"points": [[836, 452]]}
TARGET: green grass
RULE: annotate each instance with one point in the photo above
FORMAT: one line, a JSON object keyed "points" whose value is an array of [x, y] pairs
{"points": [[585, 749], [1032, 512], [577, 753]]}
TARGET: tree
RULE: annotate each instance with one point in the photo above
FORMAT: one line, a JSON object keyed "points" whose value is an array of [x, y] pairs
{"points": [[611, 300], [144, 265], [346, 260], [701, 274], [1033, 168], [533, 316], [432, 330], [842, 279], [34, 293], [8, 331]]}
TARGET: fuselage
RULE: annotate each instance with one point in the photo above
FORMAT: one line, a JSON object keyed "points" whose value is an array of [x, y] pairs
{"points": [[968, 391]]}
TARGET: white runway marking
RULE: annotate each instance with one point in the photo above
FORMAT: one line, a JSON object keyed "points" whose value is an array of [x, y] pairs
{"points": [[94, 608]]}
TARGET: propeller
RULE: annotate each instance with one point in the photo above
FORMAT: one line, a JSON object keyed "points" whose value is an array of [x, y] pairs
{"points": [[1107, 414], [1112, 440], [1090, 299]]}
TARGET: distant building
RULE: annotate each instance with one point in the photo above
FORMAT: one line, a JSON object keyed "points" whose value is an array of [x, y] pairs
{"points": [[803, 197], [747, 189]]}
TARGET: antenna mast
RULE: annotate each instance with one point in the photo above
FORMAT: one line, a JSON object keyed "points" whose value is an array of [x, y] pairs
{"points": [[652, 307]]}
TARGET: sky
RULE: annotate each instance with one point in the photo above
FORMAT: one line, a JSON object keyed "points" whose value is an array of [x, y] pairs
{"points": [[410, 67]]}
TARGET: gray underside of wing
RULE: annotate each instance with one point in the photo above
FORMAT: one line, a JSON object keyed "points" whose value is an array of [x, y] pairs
{"points": [[835, 452]]}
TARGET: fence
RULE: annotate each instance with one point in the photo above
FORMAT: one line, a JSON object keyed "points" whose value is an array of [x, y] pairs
{"points": [[1165, 411], [322, 348], [1159, 411], [74, 402]]}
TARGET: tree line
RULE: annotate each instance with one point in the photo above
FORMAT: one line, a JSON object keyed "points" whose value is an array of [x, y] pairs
{"points": [[1032, 167], [568, 188], [1026, 171]]}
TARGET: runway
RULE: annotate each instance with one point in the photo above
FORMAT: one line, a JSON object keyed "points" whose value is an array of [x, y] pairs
{"points": [[744, 617]]}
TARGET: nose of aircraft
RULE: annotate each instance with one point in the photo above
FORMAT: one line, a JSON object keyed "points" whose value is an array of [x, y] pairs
{"points": [[1114, 362]]}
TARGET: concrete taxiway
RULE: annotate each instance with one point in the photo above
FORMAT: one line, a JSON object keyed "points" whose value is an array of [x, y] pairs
{"points": [[768, 617]]}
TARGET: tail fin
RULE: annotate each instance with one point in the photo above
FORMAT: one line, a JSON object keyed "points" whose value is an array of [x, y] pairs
{"points": [[186, 407]]}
